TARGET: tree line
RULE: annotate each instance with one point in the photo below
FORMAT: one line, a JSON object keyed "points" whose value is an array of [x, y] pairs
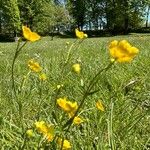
{"points": [[113, 15], [47, 16], [43, 16]]}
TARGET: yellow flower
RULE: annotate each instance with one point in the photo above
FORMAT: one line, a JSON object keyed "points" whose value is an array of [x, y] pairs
{"points": [[42, 77], [80, 34], [122, 51], [76, 68], [29, 133], [41, 126], [99, 105], [66, 144], [34, 66], [67, 106], [46, 130], [77, 120], [29, 35]]}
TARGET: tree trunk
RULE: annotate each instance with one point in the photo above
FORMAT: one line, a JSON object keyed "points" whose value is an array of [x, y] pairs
{"points": [[147, 16], [126, 25], [126, 17]]}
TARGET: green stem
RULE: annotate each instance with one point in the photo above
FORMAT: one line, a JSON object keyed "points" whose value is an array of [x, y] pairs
{"points": [[111, 143], [95, 79], [69, 51], [86, 94], [17, 51]]}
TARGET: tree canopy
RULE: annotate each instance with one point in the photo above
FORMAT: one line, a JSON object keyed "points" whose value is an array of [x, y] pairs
{"points": [[45, 16]]}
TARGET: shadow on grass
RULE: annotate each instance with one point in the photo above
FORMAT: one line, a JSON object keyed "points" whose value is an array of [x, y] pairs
{"points": [[91, 34]]}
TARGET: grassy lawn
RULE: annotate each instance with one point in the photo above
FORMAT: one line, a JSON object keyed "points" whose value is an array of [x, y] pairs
{"points": [[124, 91]]}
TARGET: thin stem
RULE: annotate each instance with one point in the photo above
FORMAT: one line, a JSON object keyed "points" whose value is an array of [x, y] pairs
{"points": [[85, 95], [67, 59], [111, 126], [62, 143], [95, 78], [69, 51], [17, 51], [12, 68]]}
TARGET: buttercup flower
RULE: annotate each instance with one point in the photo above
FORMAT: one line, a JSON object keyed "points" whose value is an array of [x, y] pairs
{"points": [[42, 77], [66, 144], [99, 105], [67, 106], [41, 126], [29, 35], [34, 66], [46, 130], [77, 120], [80, 34], [122, 51], [76, 68]]}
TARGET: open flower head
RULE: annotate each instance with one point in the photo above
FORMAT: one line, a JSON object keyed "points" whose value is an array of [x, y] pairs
{"points": [[99, 105], [122, 51], [41, 126], [80, 34], [66, 145], [77, 120], [68, 106], [29, 35], [46, 129], [76, 68], [34, 66]]}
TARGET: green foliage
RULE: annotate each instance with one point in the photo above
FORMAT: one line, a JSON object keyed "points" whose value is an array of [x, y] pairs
{"points": [[77, 10], [115, 15], [10, 16], [49, 17]]}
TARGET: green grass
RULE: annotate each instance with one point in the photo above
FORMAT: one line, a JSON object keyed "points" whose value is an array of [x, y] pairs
{"points": [[123, 89]]}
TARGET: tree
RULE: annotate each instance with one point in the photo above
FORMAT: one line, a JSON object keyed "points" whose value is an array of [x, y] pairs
{"points": [[26, 11], [77, 9], [147, 12], [95, 13], [48, 16], [122, 15], [11, 16]]}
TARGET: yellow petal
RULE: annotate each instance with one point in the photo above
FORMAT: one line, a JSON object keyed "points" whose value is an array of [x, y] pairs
{"points": [[66, 144], [34, 37], [77, 120], [29, 35], [80, 34], [67, 105], [26, 32], [122, 51], [113, 44], [99, 105], [42, 77]]}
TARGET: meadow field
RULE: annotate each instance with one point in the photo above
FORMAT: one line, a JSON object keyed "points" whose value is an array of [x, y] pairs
{"points": [[123, 122]]}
